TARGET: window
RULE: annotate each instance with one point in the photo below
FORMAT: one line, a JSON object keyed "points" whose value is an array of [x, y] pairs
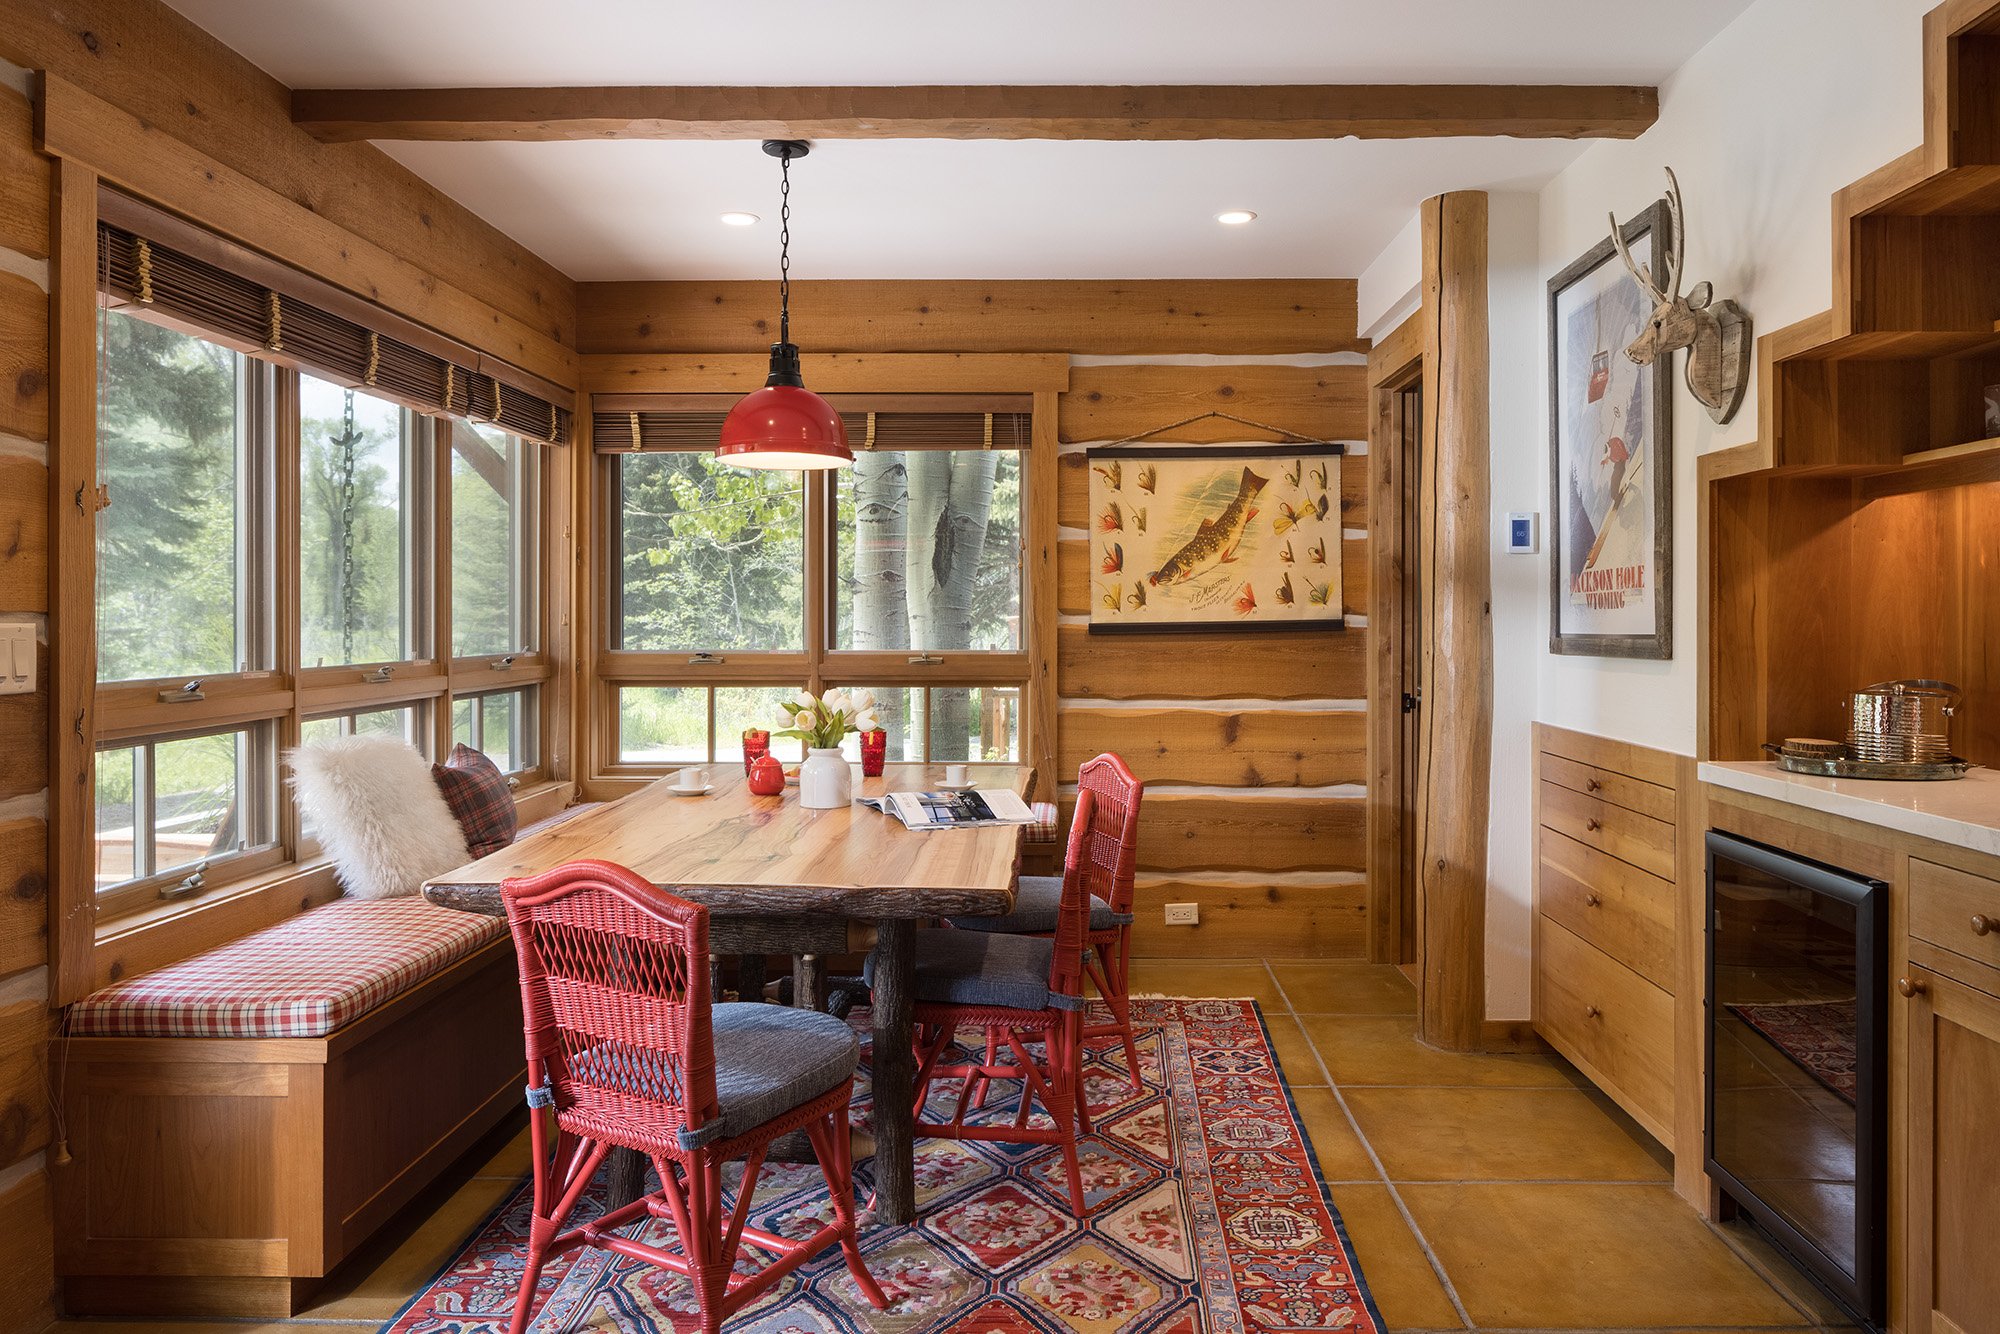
{"points": [[169, 808], [360, 537], [732, 588], [495, 526], [929, 543], [712, 557], [500, 723], [178, 431], [236, 612]]}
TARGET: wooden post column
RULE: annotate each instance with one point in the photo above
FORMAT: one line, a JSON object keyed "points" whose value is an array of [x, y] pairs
{"points": [[1455, 723]]}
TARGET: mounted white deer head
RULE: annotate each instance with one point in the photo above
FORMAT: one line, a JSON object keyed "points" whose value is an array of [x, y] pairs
{"points": [[1715, 333]]}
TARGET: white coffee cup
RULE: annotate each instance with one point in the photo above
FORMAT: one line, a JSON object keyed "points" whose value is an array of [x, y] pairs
{"points": [[954, 774], [693, 779]]}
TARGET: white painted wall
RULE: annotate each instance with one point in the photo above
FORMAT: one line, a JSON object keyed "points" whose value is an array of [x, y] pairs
{"points": [[1785, 106], [1791, 102], [1390, 289]]}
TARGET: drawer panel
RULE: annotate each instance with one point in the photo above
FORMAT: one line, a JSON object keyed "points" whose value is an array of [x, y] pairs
{"points": [[1613, 1023], [1626, 834], [1634, 794], [1624, 911], [1955, 910]]}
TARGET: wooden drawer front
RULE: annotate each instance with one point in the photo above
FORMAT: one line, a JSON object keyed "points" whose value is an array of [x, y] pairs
{"points": [[1955, 910], [1614, 1024], [1624, 833], [1621, 909], [1634, 794]]}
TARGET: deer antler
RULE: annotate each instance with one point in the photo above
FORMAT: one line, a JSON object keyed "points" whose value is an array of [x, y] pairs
{"points": [[1679, 218], [1639, 271]]}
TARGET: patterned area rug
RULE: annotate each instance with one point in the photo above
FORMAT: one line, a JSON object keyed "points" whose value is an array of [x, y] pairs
{"points": [[1208, 1217], [1816, 1036]]}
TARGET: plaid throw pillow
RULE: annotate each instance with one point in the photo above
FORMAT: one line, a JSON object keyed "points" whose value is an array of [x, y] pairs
{"points": [[476, 791]]}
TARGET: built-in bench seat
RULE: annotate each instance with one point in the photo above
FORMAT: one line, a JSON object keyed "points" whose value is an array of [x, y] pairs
{"points": [[240, 1121]]}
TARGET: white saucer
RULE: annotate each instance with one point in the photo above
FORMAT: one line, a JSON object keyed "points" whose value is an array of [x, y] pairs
{"points": [[680, 791], [956, 787]]}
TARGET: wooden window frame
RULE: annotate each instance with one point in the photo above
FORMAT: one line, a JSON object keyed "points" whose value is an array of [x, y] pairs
{"points": [[280, 694], [819, 666]]}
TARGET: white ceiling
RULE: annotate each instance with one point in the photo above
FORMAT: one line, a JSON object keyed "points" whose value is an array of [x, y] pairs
{"points": [[955, 209]]}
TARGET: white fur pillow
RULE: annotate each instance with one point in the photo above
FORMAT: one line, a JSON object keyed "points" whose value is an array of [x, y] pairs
{"points": [[375, 808]]}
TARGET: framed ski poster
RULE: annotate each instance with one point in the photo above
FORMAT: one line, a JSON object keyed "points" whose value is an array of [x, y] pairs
{"points": [[1611, 447]]}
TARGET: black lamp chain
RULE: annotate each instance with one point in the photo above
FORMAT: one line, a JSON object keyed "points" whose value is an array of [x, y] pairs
{"points": [[785, 249]]}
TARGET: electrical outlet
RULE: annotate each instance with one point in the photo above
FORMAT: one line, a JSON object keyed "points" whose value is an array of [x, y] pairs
{"points": [[1183, 914]]}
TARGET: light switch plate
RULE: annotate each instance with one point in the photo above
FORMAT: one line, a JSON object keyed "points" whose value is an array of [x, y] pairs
{"points": [[1524, 534], [17, 658]]}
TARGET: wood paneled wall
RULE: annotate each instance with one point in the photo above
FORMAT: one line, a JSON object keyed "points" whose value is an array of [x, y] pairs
{"points": [[190, 92], [1254, 750], [25, 1236]]}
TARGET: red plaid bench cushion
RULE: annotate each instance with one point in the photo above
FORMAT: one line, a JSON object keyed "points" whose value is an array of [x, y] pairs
{"points": [[1043, 830], [301, 978]]}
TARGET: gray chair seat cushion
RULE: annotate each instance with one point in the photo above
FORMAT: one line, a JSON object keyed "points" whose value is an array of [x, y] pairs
{"points": [[770, 1059], [984, 968], [1036, 901]]}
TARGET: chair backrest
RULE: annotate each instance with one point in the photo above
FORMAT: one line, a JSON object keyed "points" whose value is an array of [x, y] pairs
{"points": [[614, 993], [1114, 827], [1073, 910]]}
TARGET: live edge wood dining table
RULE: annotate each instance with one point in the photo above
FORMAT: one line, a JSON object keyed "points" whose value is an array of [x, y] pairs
{"points": [[780, 879]]}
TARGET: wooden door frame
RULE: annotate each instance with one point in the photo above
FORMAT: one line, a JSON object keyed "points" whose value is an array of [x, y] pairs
{"points": [[1395, 364]]}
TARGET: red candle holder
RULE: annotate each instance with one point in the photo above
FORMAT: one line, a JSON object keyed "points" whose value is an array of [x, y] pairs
{"points": [[756, 745], [874, 751]]}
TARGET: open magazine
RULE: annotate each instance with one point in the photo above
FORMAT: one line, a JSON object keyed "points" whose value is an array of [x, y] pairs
{"points": [[953, 810]]}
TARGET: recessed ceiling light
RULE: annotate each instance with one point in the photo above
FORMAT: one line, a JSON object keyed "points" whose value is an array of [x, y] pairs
{"points": [[1235, 217], [740, 219]]}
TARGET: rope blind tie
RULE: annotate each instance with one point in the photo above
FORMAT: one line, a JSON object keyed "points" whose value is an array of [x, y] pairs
{"points": [[552, 423], [495, 418], [989, 430], [869, 442], [274, 322], [450, 374], [635, 431], [145, 250], [374, 358], [541, 1095]]}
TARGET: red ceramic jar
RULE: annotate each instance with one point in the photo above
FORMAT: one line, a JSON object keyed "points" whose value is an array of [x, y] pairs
{"points": [[767, 776]]}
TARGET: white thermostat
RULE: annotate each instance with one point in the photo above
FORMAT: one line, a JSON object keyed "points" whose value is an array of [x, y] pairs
{"points": [[1524, 534]]}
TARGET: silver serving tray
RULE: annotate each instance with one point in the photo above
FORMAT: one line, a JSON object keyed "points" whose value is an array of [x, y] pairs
{"points": [[1843, 768]]}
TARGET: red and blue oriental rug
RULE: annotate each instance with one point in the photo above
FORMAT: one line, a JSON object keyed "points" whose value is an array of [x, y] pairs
{"points": [[1208, 1217]]}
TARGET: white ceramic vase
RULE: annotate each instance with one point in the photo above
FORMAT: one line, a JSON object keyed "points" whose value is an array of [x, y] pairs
{"points": [[825, 780]]}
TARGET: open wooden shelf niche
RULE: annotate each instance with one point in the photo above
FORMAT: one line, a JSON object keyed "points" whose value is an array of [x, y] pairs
{"points": [[1858, 539]]}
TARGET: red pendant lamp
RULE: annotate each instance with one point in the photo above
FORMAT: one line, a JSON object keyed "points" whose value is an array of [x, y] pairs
{"points": [[784, 425]]}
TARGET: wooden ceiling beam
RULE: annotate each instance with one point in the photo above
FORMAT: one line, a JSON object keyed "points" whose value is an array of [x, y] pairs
{"points": [[1173, 111]]}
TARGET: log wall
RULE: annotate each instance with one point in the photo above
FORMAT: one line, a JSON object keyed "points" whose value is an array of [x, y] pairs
{"points": [[1254, 749]]}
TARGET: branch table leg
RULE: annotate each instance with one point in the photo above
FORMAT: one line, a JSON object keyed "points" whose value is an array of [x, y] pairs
{"points": [[895, 1072], [624, 1177]]}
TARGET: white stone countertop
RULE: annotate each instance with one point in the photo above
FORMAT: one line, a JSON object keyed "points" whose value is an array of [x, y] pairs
{"points": [[1964, 812]]}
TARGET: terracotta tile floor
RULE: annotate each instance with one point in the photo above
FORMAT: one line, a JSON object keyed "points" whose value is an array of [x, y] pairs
{"points": [[1483, 1193]]}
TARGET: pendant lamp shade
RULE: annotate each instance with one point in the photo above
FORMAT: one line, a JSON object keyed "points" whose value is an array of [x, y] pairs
{"points": [[784, 425]]}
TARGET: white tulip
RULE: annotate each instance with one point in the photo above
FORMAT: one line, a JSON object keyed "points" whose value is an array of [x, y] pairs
{"points": [[804, 699], [836, 700], [806, 720], [867, 721], [865, 701]]}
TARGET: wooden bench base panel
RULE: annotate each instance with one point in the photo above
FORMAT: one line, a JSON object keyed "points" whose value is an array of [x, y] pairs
{"points": [[225, 1177]]}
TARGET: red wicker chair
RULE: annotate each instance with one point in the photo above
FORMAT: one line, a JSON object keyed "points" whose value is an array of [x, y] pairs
{"points": [[1022, 991], [1118, 793], [622, 1046]]}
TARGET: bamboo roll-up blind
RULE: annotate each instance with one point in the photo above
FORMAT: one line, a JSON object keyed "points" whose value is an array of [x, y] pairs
{"points": [[193, 293], [615, 431]]}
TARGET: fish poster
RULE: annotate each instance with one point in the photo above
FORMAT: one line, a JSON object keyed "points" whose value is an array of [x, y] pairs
{"points": [[1611, 529], [1230, 537]]}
